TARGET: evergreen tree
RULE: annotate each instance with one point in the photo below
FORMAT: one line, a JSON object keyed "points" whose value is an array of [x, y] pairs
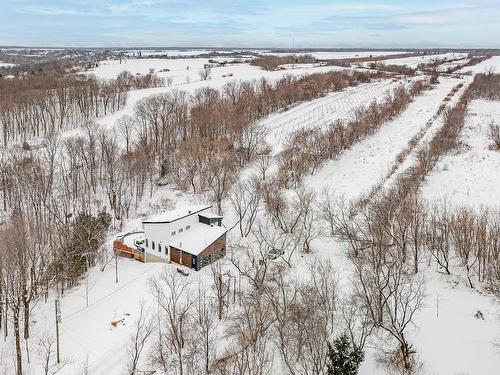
{"points": [[343, 359]]}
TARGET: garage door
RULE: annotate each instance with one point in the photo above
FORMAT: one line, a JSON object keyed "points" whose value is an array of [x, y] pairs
{"points": [[175, 256], [186, 259]]}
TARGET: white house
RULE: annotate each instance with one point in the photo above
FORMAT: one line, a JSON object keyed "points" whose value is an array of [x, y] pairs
{"points": [[192, 236]]}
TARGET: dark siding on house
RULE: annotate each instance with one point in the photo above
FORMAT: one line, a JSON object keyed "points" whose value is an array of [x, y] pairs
{"points": [[213, 252], [204, 220]]}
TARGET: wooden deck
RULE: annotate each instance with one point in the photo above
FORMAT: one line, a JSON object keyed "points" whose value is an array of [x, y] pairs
{"points": [[120, 249]]}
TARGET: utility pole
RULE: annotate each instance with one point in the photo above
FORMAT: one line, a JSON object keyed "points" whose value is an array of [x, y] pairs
{"points": [[58, 320]]}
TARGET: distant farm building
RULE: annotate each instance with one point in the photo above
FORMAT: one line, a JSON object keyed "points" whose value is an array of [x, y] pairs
{"points": [[191, 236]]}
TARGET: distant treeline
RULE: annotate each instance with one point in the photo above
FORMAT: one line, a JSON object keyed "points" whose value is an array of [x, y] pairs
{"points": [[36, 106]]}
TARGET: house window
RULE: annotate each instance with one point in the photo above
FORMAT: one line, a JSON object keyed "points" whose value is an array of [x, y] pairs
{"points": [[173, 233], [159, 247], [147, 244], [188, 226], [166, 250], [181, 230], [153, 244]]}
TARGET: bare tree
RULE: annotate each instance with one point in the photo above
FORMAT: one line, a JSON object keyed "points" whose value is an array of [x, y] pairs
{"points": [[171, 292], [221, 286], [418, 216], [250, 351], [392, 296], [46, 349], [465, 240], [263, 161], [356, 321], [206, 329], [220, 172], [125, 128], [143, 329], [245, 199], [494, 135], [205, 73], [438, 237], [19, 280], [338, 213]]}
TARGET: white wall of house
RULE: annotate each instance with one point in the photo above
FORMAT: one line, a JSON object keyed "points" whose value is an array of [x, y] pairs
{"points": [[162, 234]]}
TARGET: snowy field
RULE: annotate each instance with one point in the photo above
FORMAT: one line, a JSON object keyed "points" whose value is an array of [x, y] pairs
{"points": [[178, 52], [321, 112], [471, 176], [168, 52], [444, 67], [359, 168], [449, 306], [323, 55], [493, 63], [189, 79], [187, 70], [180, 70], [413, 62]]}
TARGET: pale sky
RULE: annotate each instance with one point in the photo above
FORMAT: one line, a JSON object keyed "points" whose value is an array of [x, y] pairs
{"points": [[250, 23]]}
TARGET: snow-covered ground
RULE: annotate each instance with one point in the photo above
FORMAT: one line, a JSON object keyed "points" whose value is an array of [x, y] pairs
{"points": [[448, 338], [180, 70], [187, 70], [324, 55], [359, 168], [444, 67], [413, 62], [86, 333], [6, 65], [471, 176], [168, 52], [484, 66], [321, 112], [178, 73]]}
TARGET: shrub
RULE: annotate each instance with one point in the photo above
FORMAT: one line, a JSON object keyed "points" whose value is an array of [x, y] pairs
{"points": [[343, 359], [494, 135]]}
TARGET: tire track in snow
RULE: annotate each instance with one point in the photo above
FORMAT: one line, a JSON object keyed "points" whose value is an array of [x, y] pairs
{"points": [[105, 298]]}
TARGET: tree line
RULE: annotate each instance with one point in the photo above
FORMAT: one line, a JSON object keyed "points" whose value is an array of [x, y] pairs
{"points": [[273, 62], [38, 106], [307, 150]]}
